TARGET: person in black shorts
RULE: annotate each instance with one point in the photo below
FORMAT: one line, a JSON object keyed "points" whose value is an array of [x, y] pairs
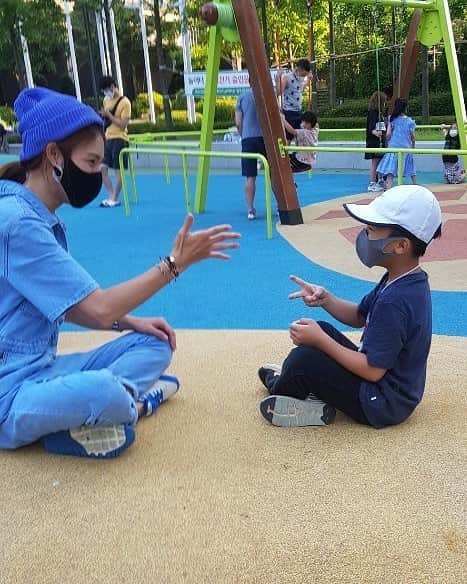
{"points": [[116, 111], [250, 130]]}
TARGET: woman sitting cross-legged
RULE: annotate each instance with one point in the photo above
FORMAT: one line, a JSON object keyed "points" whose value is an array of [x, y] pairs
{"points": [[83, 404]]}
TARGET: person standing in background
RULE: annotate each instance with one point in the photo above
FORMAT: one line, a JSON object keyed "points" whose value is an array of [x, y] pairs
{"points": [[246, 120], [290, 86], [375, 137], [116, 111]]}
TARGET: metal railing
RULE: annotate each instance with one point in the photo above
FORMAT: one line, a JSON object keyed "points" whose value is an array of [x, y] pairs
{"points": [[195, 153], [399, 151], [168, 150]]}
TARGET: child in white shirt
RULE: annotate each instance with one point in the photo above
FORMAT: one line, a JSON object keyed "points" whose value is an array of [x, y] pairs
{"points": [[307, 135]]}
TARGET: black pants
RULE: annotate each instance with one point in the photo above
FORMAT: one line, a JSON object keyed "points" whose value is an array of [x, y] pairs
{"points": [[308, 370], [294, 118]]}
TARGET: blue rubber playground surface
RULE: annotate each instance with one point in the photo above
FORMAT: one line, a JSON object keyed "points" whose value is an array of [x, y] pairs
{"points": [[249, 291]]}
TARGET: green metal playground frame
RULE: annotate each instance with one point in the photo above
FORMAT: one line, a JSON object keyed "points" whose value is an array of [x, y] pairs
{"points": [[435, 25], [166, 151]]}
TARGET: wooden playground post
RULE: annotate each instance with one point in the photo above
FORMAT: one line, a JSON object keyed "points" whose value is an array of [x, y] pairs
{"points": [[267, 108]]}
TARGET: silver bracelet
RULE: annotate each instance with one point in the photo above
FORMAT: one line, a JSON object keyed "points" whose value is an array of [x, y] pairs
{"points": [[116, 326]]}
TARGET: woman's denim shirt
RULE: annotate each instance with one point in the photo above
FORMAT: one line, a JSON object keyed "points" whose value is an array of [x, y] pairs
{"points": [[39, 282]]}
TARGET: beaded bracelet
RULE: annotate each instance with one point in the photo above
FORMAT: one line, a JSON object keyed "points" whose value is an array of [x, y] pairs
{"points": [[168, 268]]}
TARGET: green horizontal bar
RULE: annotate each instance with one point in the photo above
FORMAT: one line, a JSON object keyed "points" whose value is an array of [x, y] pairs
{"points": [[181, 133], [153, 136], [166, 144], [374, 150], [132, 150], [255, 155], [408, 3]]}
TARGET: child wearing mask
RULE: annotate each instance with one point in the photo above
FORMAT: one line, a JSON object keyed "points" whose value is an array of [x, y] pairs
{"points": [[452, 171], [381, 381]]}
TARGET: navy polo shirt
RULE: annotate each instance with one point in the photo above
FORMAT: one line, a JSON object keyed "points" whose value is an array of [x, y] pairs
{"points": [[396, 337]]}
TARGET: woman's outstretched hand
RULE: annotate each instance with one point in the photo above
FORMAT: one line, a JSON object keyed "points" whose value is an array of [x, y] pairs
{"points": [[193, 246]]}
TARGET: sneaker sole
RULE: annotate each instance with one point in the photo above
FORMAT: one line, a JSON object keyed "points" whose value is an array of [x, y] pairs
{"points": [[91, 442], [288, 412]]}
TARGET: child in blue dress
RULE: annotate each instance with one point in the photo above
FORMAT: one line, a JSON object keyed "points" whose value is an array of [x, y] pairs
{"points": [[400, 133]]}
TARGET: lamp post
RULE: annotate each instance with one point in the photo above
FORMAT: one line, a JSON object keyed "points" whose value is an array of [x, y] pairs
{"points": [[113, 32], [27, 60], [186, 49], [71, 44], [103, 50], [147, 65]]}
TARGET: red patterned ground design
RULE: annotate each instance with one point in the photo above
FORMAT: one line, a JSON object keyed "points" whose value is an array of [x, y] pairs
{"points": [[451, 246]]}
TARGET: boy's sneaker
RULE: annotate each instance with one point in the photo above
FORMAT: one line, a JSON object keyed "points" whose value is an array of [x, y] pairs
{"points": [[374, 187], [162, 389], [281, 410], [251, 214], [91, 441], [109, 203], [268, 374]]}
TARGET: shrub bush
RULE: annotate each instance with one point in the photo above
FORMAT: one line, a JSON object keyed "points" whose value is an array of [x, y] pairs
{"points": [[7, 115], [356, 122], [440, 104], [140, 105], [180, 122]]}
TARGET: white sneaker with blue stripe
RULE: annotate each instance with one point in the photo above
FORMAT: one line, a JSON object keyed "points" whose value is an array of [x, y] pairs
{"points": [[163, 388], [91, 441], [281, 410]]}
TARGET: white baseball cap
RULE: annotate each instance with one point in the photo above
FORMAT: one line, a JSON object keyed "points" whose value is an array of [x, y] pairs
{"points": [[412, 207]]}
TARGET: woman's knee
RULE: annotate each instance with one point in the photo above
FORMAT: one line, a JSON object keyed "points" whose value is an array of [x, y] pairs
{"points": [[160, 349], [109, 401]]}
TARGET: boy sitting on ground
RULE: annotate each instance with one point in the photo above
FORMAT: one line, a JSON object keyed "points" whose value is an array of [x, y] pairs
{"points": [[381, 381], [307, 135]]}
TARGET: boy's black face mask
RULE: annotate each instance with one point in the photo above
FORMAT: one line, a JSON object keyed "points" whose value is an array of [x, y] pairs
{"points": [[80, 187]]}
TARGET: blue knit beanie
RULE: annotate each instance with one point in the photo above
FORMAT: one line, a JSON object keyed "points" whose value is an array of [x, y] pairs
{"points": [[47, 116]]}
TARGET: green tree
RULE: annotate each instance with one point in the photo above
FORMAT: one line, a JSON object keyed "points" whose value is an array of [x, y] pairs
{"points": [[38, 18]]}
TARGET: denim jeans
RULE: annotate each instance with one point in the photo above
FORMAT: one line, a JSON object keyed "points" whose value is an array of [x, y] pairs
{"points": [[95, 388]]}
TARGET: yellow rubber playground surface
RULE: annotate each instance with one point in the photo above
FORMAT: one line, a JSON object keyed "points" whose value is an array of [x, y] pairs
{"points": [[210, 493]]}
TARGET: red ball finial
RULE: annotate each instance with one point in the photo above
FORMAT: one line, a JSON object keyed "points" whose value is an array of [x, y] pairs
{"points": [[209, 13]]}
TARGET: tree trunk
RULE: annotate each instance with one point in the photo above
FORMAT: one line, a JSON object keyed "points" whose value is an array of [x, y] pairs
{"points": [[332, 60], [277, 41], [159, 65], [92, 64], [19, 64], [264, 27], [425, 86], [393, 48]]}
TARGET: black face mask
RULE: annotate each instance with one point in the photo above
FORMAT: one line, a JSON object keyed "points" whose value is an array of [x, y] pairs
{"points": [[80, 187]]}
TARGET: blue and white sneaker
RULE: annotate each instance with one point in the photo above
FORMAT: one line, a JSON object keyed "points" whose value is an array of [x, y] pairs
{"points": [[91, 441], [281, 410], [163, 388]]}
